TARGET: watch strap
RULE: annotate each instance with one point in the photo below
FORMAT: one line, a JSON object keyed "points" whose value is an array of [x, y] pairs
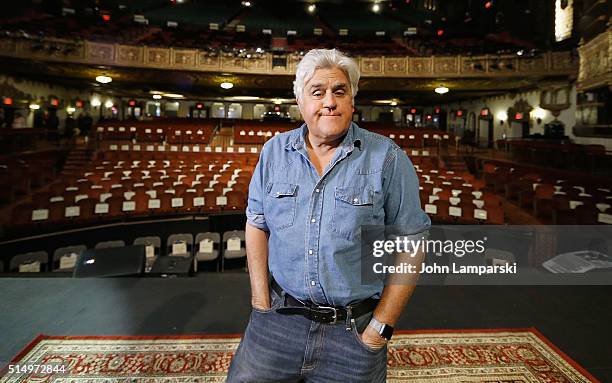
{"points": [[384, 330]]}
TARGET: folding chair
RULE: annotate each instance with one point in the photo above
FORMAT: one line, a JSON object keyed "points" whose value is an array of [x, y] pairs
{"points": [[234, 246], [152, 249], [65, 258], [207, 249], [180, 245], [32, 262]]}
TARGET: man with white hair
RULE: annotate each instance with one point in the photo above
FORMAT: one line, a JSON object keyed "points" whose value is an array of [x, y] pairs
{"points": [[313, 317]]}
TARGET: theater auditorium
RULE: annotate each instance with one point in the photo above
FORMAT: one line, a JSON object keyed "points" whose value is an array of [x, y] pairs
{"points": [[133, 139]]}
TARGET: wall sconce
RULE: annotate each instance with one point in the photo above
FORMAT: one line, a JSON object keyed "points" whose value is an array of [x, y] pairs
{"points": [[502, 116], [539, 114]]}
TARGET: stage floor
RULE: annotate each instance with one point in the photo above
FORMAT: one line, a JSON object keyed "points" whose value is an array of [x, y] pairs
{"points": [[577, 319]]}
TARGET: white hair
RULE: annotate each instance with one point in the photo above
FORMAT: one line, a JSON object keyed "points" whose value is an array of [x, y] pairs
{"points": [[325, 59]]}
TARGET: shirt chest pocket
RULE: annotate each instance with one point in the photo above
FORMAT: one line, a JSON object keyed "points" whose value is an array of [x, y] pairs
{"points": [[281, 203], [353, 207]]}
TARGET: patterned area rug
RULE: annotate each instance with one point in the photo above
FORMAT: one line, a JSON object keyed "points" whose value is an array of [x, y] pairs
{"points": [[464, 356]]}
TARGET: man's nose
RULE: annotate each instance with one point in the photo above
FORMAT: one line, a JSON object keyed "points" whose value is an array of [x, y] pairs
{"points": [[329, 101]]}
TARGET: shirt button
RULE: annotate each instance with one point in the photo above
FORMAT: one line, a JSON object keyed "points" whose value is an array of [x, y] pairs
{"points": [[356, 200], [317, 190], [313, 220], [312, 283], [309, 251]]}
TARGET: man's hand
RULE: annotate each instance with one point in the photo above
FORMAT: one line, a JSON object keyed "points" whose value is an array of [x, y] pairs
{"points": [[261, 303], [371, 338]]}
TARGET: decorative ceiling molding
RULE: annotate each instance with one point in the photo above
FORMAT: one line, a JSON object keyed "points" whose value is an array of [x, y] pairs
{"points": [[547, 64]]}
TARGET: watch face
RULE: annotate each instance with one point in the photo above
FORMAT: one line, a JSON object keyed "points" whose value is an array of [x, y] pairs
{"points": [[387, 332]]}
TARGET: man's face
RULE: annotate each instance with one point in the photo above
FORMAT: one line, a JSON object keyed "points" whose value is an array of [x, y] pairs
{"points": [[326, 104]]}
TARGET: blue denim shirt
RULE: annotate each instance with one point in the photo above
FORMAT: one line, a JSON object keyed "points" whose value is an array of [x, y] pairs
{"points": [[314, 247]]}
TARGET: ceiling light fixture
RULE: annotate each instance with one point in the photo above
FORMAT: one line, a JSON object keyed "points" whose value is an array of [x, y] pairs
{"points": [[246, 3], [104, 79], [227, 85], [34, 106], [312, 8], [243, 98], [441, 90], [108, 104], [376, 8], [157, 96], [173, 95]]}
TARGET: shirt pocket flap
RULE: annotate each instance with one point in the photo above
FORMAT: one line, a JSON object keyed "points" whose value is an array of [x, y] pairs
{"points": [[355, 196], [280, 190]]}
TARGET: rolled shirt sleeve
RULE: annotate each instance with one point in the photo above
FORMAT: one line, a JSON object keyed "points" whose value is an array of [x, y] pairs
{"points": [[403, 213], [255, 207]]}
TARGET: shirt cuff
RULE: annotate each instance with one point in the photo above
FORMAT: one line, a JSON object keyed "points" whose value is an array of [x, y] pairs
{"points": [[257, 220], [414, 239]]}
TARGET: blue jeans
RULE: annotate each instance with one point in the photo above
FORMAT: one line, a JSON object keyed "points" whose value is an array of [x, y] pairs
{"points": [[291, 348]]}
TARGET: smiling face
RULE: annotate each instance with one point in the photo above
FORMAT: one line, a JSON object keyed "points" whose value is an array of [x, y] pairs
{"points": [[327, 105]]}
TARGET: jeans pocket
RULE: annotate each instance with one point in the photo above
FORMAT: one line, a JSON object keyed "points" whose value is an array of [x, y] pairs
{"points": [[361, 343], [275, 302], [353, 207]]}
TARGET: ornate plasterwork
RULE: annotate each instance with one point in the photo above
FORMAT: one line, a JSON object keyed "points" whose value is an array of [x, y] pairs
{"points": [[551, 63], [596, 62]]}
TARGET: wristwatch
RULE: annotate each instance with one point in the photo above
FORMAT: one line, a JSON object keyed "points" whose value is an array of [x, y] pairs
{"points": [[384, 330]]}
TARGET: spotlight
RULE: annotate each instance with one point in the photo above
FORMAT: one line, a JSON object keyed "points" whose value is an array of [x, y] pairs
{"points": [[104, 79], [502, 116], [95, 102], [108, 104], [312, 8], [227, 85], [246, 4], [375, 7], [34, 106], [157, 96], [441, 90]]}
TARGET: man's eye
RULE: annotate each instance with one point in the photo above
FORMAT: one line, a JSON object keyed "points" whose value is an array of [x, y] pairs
{"points": [[340, 93], [317, 93]]}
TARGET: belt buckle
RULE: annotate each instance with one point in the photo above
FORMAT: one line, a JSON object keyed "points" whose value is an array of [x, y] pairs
{"points": [[334, 310]]}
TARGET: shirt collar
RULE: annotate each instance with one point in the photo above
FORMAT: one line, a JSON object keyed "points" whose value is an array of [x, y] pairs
{"points": [[350, 141]]}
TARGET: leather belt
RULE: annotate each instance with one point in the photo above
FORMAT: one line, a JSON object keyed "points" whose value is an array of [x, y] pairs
{"points": [[322, 314]]}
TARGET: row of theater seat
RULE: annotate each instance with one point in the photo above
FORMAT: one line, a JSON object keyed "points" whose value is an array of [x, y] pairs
{"points": [[124, 189], [178, 148], [250, 157], [198, 132], [258, 132], [559, 155], [550, 199], [457, 197], [412, 137], [208, 247]]}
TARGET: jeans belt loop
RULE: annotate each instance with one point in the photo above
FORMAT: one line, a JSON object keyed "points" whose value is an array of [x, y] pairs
{"points": [[349, 317]]}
